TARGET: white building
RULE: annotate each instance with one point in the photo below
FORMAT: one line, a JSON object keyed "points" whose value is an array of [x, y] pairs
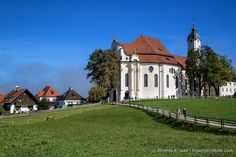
{"points": [[69, 98], [148, 70], [228, 90]]}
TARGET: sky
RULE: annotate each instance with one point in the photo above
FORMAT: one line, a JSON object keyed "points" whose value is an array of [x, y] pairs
{"points": [[48, 42]]}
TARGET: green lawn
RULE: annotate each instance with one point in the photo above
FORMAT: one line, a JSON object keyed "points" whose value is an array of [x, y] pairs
{"points": [[214, 108], [106, 131]]}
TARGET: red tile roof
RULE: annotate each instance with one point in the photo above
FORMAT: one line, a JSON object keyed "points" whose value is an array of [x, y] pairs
{"points": [[157, 59], [151, 50], [2, 96], [146, 46], [48, 91], [181, 60]]}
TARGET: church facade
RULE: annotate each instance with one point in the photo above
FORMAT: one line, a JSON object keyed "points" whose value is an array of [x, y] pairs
{"points": [[147, 70]]}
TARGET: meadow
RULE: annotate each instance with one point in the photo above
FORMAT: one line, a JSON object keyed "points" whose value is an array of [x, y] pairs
{"points": [[212, 108], [107, 131]]}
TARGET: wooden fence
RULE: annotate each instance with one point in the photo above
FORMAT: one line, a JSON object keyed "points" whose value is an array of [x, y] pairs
{"points": [[199, 119]]}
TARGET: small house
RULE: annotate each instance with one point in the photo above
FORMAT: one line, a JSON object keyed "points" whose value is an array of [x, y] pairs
{"points": [[19, 101], [49, 93], [70, 98]]}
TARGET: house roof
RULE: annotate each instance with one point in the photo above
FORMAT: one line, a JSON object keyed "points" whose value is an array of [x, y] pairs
{"points": [[71, 94], [181, 60], [14, 94], [48, 91], [2, 96]]}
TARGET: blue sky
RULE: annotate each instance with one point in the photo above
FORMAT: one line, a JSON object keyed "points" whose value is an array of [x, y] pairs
{"points": [[48, 42]]}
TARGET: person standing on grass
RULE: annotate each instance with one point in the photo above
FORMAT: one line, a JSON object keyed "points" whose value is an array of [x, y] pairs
{"points": [[184, 112], [178, 112]]}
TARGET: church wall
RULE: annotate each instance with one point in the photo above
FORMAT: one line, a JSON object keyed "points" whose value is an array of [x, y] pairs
{"points": [[171, 91], [150, 92]]}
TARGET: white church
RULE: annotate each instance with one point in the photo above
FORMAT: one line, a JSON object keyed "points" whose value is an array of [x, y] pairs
{"points": [[147, 70]]}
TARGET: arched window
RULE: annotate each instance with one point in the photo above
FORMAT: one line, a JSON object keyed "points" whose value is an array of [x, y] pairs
{"points": [[167, 81], [176, 82], [145, 80], [126, 80], [156, 80]]}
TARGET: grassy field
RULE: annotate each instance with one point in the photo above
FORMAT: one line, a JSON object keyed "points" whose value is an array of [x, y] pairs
{"points": [[107, 131], [214, 108]]}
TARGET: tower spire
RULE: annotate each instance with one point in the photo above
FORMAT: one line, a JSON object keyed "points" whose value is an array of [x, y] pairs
{"points": [[114, 38]]}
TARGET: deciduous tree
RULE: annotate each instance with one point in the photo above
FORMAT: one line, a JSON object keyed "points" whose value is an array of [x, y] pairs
{"points": [[103, 70]]}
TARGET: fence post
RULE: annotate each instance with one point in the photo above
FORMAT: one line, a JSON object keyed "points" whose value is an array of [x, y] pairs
{"points": [[157, 110], [207, 121], [195, 118], [177, 115], [169, 114], [222, 123], [162, 112]]}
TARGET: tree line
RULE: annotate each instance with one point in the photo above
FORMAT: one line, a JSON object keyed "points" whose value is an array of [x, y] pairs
{"points": [[208, 69]]}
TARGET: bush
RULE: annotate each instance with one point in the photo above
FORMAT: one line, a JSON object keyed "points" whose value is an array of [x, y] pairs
{"points": [[96, 94], [2, 110], [43, 104]]}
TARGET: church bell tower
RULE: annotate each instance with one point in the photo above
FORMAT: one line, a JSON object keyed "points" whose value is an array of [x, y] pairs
{"points": [[194, 41]]}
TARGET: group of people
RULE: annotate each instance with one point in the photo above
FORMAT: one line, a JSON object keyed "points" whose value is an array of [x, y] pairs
{"points": [[184, 112]]}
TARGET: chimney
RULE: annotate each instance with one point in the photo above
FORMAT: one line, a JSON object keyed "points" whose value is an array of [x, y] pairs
{"points": [[17, 88]]}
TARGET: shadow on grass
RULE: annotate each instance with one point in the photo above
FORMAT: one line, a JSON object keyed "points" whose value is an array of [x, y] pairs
{"points": [[190, 126]]}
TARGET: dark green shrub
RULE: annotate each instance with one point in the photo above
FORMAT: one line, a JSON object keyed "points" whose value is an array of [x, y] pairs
{"points": [[43, 104], [2, 110]]}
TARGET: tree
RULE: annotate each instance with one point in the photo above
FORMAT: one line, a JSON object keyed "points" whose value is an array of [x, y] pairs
{"points": [[96, 94], [43, 104], [103, 70], [215, 69], [209, 68], [192, 68]]}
